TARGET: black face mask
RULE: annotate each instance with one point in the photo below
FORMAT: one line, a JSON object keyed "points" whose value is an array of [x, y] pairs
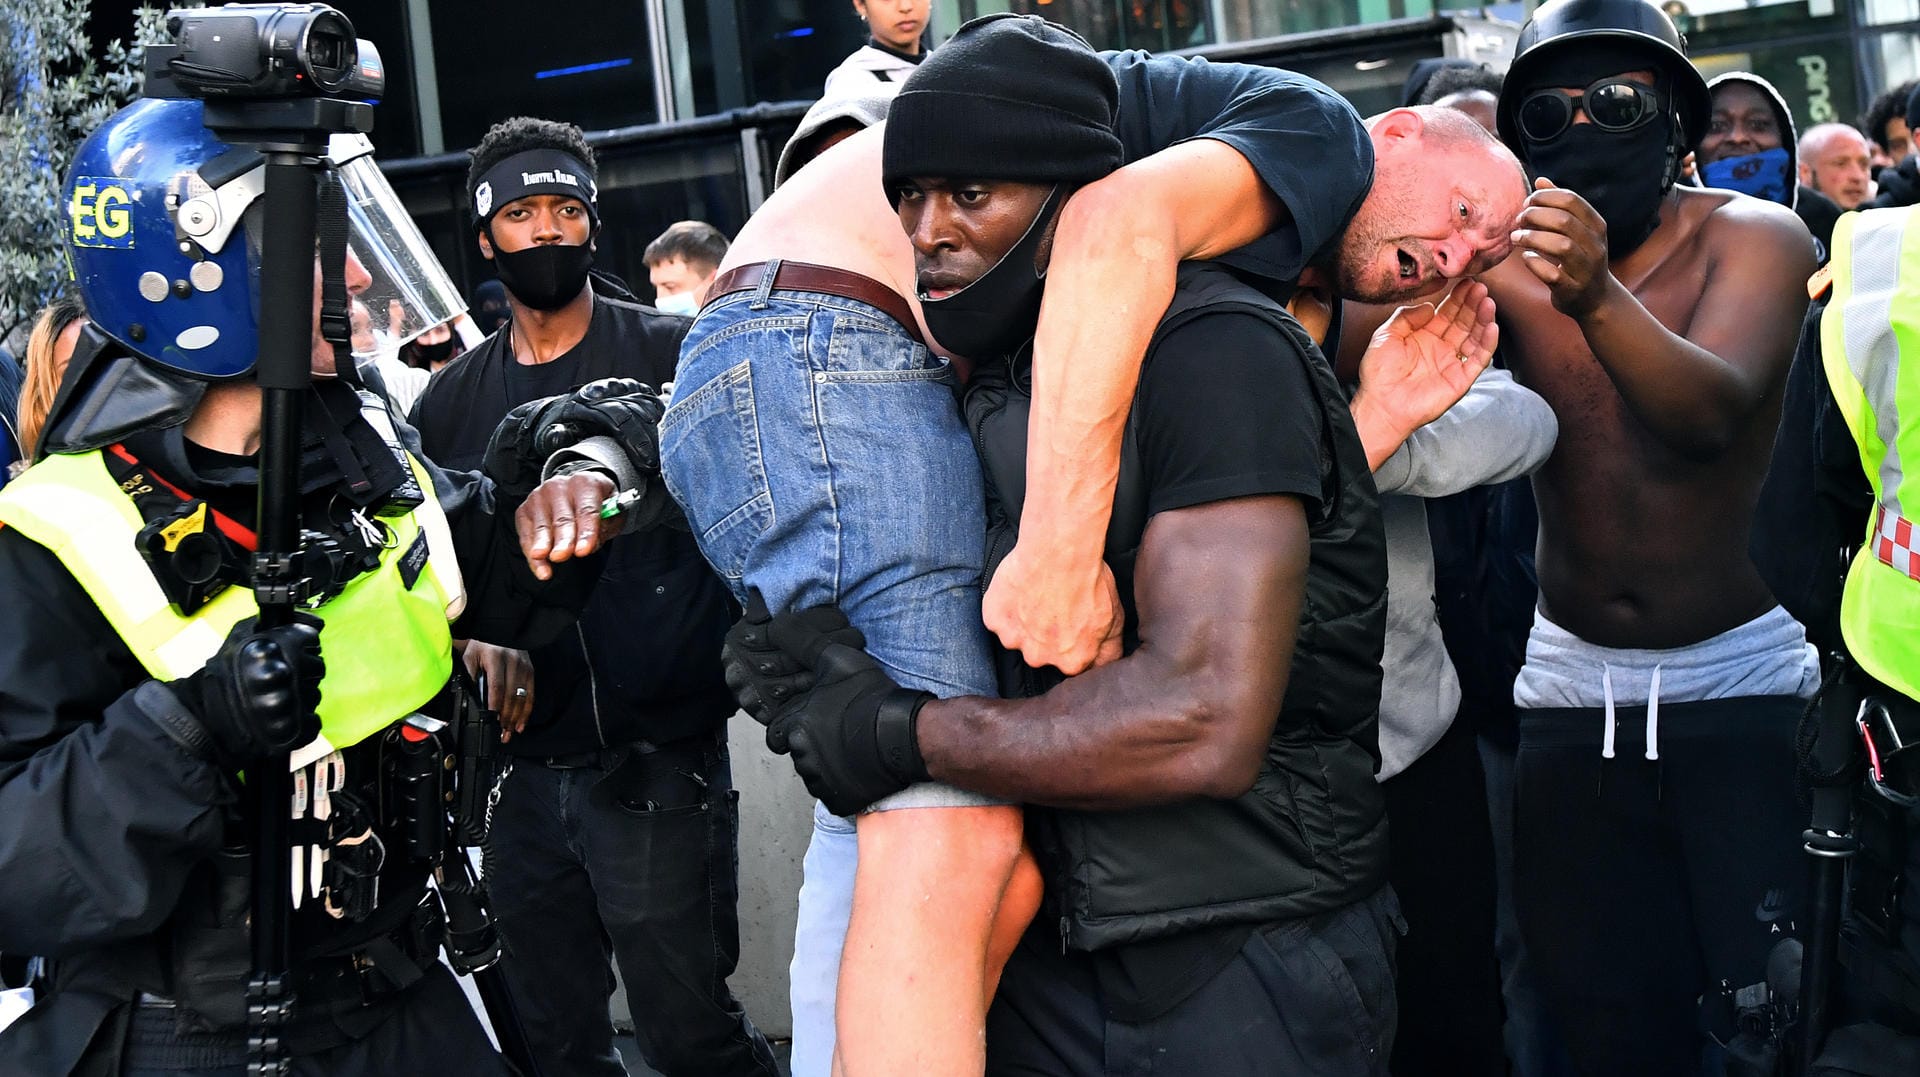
{"points": [[991, 316], [545, 276], [1594, 164], [425, 355]]}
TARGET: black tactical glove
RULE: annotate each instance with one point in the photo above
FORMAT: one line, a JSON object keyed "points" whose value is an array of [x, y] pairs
{"points": [[258, 693], [759, 669], [852, 732], [623, 409], [853, 737]]}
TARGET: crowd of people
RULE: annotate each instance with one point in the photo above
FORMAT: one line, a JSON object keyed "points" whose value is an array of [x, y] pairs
{"points": [[1253, 589]]}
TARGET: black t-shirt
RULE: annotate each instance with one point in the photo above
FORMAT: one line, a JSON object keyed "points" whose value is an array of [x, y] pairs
{"points": [[466, 399], [1819, 213], [1306, 143], [1224, 410], [645, 663]]}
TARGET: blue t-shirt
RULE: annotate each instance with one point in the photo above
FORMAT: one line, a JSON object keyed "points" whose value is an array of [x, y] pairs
{"points": [[1305, 142]]}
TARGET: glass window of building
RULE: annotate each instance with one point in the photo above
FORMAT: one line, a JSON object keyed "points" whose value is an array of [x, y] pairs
{"points": [[728, 55], [1884, 12], [1156, 25], [586, 62]]}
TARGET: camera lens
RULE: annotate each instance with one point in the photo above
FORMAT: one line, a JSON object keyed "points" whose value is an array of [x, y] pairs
{"points": [[327, 51]]}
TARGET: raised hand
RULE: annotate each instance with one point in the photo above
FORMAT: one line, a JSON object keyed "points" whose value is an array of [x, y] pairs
{"points": [[1563, 241], [1420, 363]]}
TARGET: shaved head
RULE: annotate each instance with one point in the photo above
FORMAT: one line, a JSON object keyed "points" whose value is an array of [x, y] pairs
{"points": [[1449, 129], [1834, 161], [1444, 197]]}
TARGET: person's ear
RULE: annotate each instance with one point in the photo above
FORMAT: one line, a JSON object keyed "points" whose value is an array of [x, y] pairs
{"points": [[1399, 125], [486, 245]]}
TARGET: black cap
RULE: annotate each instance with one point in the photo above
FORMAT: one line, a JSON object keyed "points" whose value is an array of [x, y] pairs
{"points": [[1011, 97]]}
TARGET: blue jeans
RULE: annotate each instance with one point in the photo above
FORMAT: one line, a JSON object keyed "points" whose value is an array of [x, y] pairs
{"points": [[820, 457]]}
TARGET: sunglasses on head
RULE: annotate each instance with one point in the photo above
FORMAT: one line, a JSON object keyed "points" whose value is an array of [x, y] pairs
{"points": [[1613, 104]]}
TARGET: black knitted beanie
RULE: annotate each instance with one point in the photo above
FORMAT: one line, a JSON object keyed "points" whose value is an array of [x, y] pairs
{"points": [[1011, 97]]}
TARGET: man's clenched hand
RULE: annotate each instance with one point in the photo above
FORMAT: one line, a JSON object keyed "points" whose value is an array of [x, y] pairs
{"points": [[1053, 617], [560, 520], [1562, 240], [765, 672]]}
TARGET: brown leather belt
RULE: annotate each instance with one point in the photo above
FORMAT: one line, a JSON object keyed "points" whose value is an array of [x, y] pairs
{"points": [[803, 277]]}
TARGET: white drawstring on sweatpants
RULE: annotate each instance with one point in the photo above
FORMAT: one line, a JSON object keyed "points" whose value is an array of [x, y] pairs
{"points": [[1653, 713]]}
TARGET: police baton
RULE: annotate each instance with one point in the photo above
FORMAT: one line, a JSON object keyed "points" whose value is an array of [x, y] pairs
{"points": [[1828, 766]]}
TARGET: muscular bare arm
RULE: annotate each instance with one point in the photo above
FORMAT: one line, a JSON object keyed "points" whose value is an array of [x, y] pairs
{"points": [[1189, 712], [1115, 253], [1697, 391]]}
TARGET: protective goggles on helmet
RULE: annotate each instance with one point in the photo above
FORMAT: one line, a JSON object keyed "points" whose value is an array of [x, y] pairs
{"points": [[1613, 104]]}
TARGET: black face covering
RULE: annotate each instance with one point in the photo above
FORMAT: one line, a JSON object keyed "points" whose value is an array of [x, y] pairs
{"points": [[545, 276], [1623, 175], [991, 316], [1620, 173], [425, 355]]}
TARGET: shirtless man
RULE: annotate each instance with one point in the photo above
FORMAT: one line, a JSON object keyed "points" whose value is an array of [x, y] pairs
{"points": [[818, 451], [1657, 835]]}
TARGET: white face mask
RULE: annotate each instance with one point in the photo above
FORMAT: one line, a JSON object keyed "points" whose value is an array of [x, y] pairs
{"points": [[680, 303]]}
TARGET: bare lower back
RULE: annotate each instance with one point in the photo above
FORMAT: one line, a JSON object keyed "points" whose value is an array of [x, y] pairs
{"points": [[834, 212]]}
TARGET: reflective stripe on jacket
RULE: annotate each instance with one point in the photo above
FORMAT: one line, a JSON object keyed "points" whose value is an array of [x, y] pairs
{"points": [[386, 644]]}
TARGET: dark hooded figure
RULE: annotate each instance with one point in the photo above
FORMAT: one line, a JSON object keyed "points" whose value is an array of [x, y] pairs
{"points": [[1751, 147], [1900, 183]]}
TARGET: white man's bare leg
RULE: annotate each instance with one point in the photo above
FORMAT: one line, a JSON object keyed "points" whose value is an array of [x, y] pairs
{"points": [[940, 898]]}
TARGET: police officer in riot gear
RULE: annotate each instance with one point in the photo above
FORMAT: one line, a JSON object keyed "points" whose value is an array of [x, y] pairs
{"points": [[137, 686], [1837, 485]]}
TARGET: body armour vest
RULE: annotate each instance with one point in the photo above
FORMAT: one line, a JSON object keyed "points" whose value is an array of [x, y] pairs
{"points": [[1310, 835], [386, 641], [1866, 347]]}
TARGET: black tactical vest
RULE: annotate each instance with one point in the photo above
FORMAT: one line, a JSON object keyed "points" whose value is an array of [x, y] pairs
{"points": [[1311, 834]]}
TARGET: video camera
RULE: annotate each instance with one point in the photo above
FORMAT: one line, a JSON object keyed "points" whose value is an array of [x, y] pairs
{"points": [[262, 52]]}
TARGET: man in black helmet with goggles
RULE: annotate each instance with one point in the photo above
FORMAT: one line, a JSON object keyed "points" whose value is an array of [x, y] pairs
{"points": [[1656, 836]]}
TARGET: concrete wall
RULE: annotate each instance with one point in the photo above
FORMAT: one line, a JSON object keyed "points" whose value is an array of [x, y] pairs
{"points": [[776, 819]]}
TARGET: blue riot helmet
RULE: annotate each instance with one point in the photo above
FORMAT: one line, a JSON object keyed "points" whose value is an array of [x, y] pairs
{"points": [[163, 238]]}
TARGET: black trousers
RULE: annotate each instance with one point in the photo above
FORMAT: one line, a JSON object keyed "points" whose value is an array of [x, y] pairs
{"points": [[1442, 869], [638, 864], [1309, 997], [1643, 885]]}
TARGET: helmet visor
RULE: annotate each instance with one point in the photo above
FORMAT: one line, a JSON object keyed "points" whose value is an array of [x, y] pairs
{"points": [[410, 292]]}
